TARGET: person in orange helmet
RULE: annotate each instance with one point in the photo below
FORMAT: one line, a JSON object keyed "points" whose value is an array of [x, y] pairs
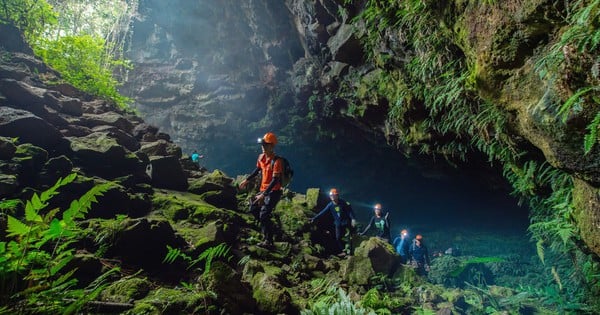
{"points": [[270, 192], [419, 255], [402, 244], [343, 219], [380, 222]]}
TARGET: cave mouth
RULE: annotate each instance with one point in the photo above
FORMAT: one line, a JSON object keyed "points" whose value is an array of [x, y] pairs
{"points": [[420, 192]]}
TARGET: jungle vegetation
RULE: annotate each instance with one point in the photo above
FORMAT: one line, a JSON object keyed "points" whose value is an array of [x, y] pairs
{"points": [[84, 41]]}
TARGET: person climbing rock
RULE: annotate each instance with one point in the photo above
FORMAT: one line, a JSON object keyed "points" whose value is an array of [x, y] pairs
{"points": [[196, 157], [419, 255], [380, 222], [269, 194], [343, 220], [402, 244]]}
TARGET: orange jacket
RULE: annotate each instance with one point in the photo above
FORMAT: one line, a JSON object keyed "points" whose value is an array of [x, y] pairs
{"points": [[269, 169]]}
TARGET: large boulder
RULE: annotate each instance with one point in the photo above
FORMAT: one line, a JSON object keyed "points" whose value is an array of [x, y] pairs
{"points": [[167, 173], [271, 297], [101, 154], [234, 296], [143, 243], [28, 128]]}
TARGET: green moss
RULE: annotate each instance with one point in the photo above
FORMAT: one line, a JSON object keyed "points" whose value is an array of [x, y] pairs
{"points": [[172, 301], [124, 290], [180, 205]]}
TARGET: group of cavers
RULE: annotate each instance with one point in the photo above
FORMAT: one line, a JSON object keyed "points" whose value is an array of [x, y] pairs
{"points": [[271, 167]]}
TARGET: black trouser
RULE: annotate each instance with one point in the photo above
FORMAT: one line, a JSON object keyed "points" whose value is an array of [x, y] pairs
{"points": [[264, 213], [343, 236]]}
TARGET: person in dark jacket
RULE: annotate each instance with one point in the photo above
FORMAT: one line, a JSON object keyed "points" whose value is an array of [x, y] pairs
{"points": [[402, 244], [380, 222], [419, 255], [343, 219]]}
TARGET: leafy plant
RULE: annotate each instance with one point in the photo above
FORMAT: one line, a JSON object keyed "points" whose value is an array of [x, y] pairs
{"points": [[39, 248], [83, 61], [340, 304], [211, 253], [477, 260]]}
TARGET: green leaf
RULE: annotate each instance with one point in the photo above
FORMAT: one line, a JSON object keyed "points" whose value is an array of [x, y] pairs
{"points": [[31, 212], [16, 227], [55, 229], [37, 202]]}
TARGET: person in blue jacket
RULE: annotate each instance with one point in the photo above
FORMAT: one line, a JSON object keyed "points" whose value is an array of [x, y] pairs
{"points": [[343, 219], [419, 255], [402, 244]]}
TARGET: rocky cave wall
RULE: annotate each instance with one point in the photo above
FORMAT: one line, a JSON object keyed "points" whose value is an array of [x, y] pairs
{"points": [[205, 72]]}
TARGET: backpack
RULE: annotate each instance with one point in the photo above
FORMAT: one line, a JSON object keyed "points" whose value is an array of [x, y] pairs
{"points": [[288, 172]]}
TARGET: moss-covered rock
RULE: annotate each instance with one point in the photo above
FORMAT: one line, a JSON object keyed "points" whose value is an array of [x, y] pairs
{"points": [[177, 206], [234, 296], [173, 301], [126, 289], [293, 216], [381, 254], [586, 206], [357, 270], [270, 296]]}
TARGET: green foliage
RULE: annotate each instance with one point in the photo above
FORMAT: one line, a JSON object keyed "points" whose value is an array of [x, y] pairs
{"points": [[381, 303], [476, 260], [82, 60], [38, 249], [208, 255], [32, 17], [339, 303], [582, 34], [85, 58]]}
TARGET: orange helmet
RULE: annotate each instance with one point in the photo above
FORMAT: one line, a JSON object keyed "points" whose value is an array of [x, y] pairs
{"points": [[377, 206], [269, 138], [333, 191], [419, 237]]}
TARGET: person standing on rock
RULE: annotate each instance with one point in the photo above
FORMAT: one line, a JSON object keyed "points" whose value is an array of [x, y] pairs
{"points": [[419, 255], [380, 222], [271, 169], [402, 244], [343, 219]]}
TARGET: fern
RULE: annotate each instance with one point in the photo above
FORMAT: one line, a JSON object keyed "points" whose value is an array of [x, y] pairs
{"points": [[208, 255], [26, 252], [592, 137]]}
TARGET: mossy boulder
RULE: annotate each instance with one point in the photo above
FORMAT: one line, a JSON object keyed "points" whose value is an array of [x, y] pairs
{"points": [[234, 296], [176, 206], [207, 235], [292, 217], [586, 206], [100, 154], [357, 270], [126, 289], [216, 188], [381, 254], [143, 243], [270, 295], [173, 301]]}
